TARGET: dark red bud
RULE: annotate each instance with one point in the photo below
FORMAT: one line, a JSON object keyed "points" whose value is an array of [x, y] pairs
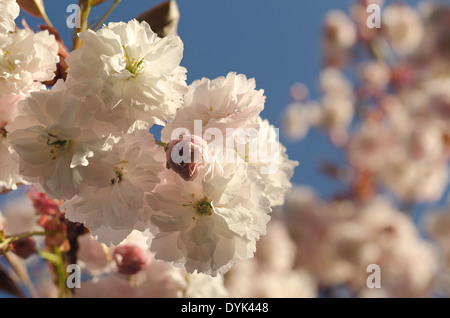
{"points": [[186, 164]]}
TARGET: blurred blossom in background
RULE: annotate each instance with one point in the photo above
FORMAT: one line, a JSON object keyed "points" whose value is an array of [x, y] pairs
{"points": [[365, 112]]}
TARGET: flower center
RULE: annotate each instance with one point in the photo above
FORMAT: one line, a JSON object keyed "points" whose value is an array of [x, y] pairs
{"points": [[3, 131], [57, 145], [119, 170], [134, 66], [203, 207]]}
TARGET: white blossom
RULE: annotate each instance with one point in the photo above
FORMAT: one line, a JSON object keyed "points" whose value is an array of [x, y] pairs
{"points": [[156, 280], [296, 123], [208, 224], [55, 141], [270, 159], [232, 103], [337, 240], [404, 28], [339, 29], [9, 169], [9, 11], [136, 73], [116, 204], [224, 102], [27, 59], [339, 34], [421, 181], [205, 286], [333, 82], [270, 274]]}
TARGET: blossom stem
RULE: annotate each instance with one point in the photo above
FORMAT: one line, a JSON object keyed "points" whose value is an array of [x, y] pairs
{"points": [[33, 233], [5, 243], [160, 143], [43, 13], [61, 274], [56, 258], [84, 17], [99, 23]]}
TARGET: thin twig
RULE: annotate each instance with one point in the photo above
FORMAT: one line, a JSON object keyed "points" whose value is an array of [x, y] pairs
{"points": [[99, 23], [84, 17]]}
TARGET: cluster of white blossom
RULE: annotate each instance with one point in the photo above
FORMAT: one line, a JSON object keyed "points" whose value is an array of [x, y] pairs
{"points": [[271, 273], [129, 270], [392, 120], [26, 60], [384, 101], [158, 188], [86, 141], [336, 242]]}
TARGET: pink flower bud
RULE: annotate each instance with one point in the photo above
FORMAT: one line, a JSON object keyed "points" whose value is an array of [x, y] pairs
{"points": [[185, 155], [131, 259]]}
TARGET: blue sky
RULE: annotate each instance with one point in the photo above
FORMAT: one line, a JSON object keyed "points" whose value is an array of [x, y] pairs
{"points": [[275, 42]]}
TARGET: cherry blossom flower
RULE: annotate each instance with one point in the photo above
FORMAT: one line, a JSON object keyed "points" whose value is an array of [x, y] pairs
{"points": [[155, 279], [9, 170], [403, 28], [54, 141], [224, 102], [21, 73], [270, 274], [208, 224], [205, 286], [136, 73], [115, 204], [339, 35], [296, 121], [9, 12], [269, 157], [337, 240]]}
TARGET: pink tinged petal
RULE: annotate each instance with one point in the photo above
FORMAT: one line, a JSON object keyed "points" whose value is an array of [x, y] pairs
{"points": [[165, 247], [64, 182], [108, 235], [174, 223]]}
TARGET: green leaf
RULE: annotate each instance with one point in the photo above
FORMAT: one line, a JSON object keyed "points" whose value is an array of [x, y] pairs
{"points": [[163, 18]]}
